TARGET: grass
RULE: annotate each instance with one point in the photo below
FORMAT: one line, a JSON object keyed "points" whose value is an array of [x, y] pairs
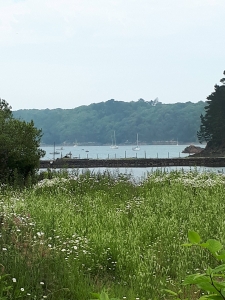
{"points": [[76, 234]]}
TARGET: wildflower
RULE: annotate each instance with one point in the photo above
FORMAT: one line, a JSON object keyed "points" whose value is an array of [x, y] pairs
{"points": [[22, 289], [42, 283], [40, 234], [14, 279], [4, 249]]}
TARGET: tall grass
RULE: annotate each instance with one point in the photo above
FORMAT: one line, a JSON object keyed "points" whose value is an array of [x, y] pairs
{"points": [[75, 234]]}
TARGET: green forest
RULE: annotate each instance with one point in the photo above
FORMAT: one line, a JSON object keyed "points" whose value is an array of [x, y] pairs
{"points": [[95, 123]]}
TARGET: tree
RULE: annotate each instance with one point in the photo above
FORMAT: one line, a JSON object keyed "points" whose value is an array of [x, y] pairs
{"points": [[5, 109], [19, 145], [212, 128]]}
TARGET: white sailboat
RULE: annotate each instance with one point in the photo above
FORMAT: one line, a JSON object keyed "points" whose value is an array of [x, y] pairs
{"points": [[136, 148], [54, 152], [114, 146]]}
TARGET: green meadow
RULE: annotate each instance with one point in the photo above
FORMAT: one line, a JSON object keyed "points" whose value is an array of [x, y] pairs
{"points": [[74, 234]]}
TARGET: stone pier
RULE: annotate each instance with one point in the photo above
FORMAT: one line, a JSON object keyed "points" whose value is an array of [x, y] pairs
{"points": [[133, 162]]}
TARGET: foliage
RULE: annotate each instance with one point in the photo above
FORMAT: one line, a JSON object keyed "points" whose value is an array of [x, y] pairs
{"points": [[5, 109], [212, 281], [7, 291], [153, 121], [19, 146], [79, 233], [102, 296], [212, 128]]}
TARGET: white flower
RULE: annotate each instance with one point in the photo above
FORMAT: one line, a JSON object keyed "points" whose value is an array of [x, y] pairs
{"points": [[4, 249], [22, 289], [14, 279], [40, 234], [42, 283]]}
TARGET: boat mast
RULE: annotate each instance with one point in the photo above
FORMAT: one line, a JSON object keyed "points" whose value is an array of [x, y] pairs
{"points": [[114, 137], [54, 152]]}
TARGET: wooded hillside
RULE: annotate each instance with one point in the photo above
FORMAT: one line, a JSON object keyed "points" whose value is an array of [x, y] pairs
{"points": [[152, 120]]}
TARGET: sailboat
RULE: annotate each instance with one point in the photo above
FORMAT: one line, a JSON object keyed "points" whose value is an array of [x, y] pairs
{"points": [[114, 146], [136, 148], [54, 152]]}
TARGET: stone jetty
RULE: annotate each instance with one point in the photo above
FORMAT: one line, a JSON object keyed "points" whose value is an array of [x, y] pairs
{"points": [[133, 162]]}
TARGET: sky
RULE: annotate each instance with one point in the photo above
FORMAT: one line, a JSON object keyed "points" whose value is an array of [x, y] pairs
{"points": [[68, 53]]}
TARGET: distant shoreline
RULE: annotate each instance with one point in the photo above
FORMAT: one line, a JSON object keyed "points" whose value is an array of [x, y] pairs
{"points": [[158, 143]]}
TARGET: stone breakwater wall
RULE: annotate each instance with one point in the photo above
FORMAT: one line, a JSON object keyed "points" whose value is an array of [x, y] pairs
{"points": [[133, 163]]}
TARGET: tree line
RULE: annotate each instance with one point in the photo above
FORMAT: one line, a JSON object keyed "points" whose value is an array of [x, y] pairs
{"points": [[95, 123]]}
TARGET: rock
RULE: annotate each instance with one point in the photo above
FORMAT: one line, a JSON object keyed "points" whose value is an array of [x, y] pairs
{"points": [[192, 149]]}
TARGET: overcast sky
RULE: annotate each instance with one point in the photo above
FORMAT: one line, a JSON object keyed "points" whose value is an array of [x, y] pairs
{"points": [[68, 53]]}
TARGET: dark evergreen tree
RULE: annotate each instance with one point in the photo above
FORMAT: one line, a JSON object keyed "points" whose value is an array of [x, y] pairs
{"points": [[212, 128]]}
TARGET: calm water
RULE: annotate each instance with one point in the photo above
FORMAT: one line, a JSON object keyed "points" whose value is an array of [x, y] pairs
{"points": [[148, 151], [104, 152]]}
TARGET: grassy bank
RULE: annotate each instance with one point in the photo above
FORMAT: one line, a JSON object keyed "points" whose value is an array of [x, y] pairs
{"points": [[72, 235]]}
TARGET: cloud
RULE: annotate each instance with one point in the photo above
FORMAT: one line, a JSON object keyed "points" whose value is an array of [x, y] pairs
{"points": [[9, 18], [134, 19], [46, 21]]}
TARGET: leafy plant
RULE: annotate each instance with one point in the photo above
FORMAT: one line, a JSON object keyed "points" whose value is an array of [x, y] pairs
{"points": [[7, 290], [102, 296], [212, 281], [4, 286]]}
